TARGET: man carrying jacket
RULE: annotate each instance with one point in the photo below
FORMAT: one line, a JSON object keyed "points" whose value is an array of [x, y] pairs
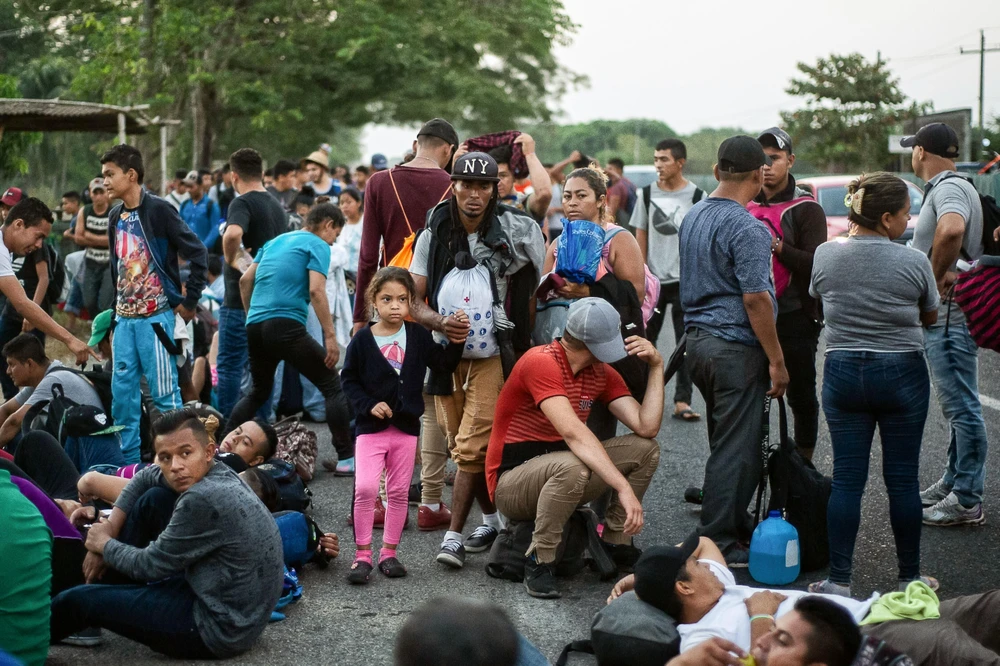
{"points": [[146, 237], [509, 243], [798, 226]]}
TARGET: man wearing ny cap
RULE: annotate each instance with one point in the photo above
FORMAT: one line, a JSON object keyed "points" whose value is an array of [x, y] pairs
{"points": [[950, 231], [509, 244], [543, 462], [92, 236], [733, 353], [798, 226]]}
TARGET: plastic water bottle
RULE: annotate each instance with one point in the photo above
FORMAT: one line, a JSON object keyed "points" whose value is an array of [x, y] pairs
{"points": [[774, 551]]}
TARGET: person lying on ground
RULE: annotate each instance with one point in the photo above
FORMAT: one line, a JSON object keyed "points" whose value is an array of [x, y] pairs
{"points": [[201, 591], [692, 584]]}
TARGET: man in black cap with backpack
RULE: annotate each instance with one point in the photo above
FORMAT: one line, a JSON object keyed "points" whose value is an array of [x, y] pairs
{"points": [[509, 244], [733, 353]]}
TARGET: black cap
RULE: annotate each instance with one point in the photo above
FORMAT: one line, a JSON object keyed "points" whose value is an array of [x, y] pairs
{"points": [[656, 574], [440, 128], [740, 154], [476, 166], [87, 421], [779, 136], [936, 138]]}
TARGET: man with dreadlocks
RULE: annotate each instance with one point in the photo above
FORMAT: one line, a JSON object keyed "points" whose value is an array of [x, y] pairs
{"points": [[510, 245]]}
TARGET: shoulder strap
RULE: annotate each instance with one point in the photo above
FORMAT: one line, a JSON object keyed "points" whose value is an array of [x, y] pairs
{"points": [[585, 647], [611, 233], [647, 196], [699, 194], [444, 195], [400, 202]]}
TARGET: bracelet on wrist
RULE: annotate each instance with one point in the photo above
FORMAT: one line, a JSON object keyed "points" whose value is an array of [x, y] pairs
{"points": [[761, 617]]}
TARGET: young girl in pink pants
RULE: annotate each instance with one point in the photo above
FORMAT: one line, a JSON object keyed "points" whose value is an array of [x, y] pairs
{"points": [[383, 377]]}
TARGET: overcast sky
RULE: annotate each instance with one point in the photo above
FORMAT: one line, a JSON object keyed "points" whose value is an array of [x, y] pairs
{"points": [[727, 62]]}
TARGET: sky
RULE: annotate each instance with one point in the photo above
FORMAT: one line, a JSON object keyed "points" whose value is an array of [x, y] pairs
{"points": [[727, 62]]}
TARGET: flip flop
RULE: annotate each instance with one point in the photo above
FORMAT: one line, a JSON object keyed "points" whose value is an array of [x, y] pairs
{"points": [[687, 415]]}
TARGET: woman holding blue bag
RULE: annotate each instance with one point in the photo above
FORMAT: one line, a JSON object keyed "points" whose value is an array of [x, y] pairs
{"points": [[619, 276]]}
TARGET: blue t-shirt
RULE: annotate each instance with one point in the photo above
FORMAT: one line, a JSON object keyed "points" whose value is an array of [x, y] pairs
{"points": [[725, 252], [281, 287]]}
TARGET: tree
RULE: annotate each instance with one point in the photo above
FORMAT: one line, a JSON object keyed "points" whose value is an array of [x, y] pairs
{"points": [[851, 107], [14, 145], [291, 72]]}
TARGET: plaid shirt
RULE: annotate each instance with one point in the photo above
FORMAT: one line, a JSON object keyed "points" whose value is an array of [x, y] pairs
{"points": [[487, 142]]}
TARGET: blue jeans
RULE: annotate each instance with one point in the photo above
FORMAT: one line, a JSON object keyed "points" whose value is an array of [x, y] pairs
{"points": [[88, 452], [954, 363], [159, 615], [862, 390], [139, 353], [233, 363]]}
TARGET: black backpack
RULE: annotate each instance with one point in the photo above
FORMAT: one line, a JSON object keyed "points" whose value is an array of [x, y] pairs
{"points": [[56, 408], [802, 493], [295, 495], [629, 632], [991, 217], [507, 554], [57, 277]]}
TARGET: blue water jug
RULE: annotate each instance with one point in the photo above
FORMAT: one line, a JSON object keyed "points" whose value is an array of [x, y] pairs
{"points": [[774, 551]]}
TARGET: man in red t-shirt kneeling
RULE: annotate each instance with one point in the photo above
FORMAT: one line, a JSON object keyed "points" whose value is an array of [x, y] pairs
{"points": [[543, 462]]}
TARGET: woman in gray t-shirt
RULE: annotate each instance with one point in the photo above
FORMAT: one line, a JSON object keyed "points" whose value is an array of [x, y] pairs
{"points": [[876, 296]]}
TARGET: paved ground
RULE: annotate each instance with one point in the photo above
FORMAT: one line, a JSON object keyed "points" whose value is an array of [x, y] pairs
{"points": [[337, 623]]}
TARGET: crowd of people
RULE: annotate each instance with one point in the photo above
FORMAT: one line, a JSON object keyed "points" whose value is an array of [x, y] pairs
{"points": [[432, 310]]}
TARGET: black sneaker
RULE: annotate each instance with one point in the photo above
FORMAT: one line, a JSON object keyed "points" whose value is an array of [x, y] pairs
{"points": [[360, 573], [738, 557], [392, 568], [416, 490], [694, 495], [481, 539], [452, 554], [540, 580], [89, 637]]}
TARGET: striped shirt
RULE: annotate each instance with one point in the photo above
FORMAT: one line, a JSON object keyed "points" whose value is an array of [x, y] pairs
{"points": [[521, 430]]}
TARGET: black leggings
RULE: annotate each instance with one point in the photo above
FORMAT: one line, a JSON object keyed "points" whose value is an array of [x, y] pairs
{"points": [[46, 463], [274, 340]]}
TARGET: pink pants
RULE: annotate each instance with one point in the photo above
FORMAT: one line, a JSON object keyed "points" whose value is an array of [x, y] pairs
{"points": [[391, 450]]}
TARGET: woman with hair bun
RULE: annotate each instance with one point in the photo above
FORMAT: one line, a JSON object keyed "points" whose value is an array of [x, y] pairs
{"points": [[876, 296]]}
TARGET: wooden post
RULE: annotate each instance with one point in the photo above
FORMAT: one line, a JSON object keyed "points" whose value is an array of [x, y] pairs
{"points": [[163, 159], [121, 128]]}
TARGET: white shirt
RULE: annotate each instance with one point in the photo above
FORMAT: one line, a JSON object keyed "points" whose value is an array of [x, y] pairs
{"points": [[729, 619], [6, 262]]}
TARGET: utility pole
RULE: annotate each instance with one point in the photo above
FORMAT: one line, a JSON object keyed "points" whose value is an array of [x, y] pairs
{"points": [[982, 51]]}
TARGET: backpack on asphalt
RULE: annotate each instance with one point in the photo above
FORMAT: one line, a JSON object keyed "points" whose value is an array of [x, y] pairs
{"points": [[507, 556], [297, 445], [299, 539], [629, 632], [802, 494], [295, 495]]}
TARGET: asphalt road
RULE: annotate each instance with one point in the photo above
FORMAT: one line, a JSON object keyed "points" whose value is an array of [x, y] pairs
{"points": [[338, 623]]}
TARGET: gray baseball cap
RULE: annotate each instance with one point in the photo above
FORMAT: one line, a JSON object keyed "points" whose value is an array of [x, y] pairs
{"points": [[596, 323]]}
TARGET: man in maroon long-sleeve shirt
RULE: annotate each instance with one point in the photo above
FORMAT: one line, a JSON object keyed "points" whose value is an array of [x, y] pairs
{"points": [[393, 213]]}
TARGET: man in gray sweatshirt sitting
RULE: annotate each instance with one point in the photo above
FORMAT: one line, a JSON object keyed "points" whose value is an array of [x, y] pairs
{"points": [[207, 583]]}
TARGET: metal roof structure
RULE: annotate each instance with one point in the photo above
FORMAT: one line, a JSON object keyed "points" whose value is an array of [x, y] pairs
{"points": [[54, 115]]}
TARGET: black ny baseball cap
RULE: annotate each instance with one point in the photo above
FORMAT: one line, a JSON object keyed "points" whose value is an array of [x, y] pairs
{"points": [[936, 138], [740, 154], [778, 136], [476, 166], [440, 128]]}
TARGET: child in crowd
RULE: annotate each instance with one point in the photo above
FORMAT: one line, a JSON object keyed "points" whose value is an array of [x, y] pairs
{"points": [[383, 377]]}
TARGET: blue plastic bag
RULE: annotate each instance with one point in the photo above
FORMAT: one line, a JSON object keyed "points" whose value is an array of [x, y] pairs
{"points": [[579, 251]]}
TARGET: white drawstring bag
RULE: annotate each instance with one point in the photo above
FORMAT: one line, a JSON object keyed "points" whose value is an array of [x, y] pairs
{"points": [[469, 290]]}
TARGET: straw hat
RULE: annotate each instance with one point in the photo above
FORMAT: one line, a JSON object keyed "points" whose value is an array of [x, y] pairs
{"points": [[320, 157]]}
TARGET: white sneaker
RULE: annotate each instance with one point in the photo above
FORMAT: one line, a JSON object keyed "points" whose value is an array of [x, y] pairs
{"points": [[935, 493], [949, 512]]}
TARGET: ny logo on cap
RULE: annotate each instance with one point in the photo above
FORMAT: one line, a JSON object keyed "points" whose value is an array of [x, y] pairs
{"points": [[470, 166]]}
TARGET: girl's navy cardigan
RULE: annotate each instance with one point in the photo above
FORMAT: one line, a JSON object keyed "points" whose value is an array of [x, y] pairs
{"points": [[368, 378]]}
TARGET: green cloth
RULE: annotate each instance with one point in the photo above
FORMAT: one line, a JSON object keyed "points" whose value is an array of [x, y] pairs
{"points": [[26, 557], [918, 602]]}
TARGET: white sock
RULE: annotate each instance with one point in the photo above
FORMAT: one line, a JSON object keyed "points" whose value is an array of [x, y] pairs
{"points": [[453, 536], [433, 507], [493, 520]]}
